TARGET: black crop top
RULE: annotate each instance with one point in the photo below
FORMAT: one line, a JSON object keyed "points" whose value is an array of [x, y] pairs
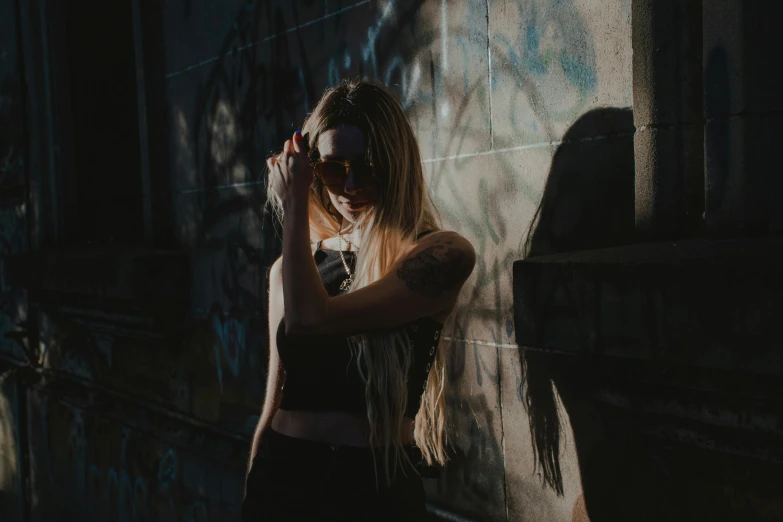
{"points": [[320, 372]]}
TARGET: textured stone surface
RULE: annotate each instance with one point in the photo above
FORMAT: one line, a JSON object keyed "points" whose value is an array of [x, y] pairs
{"points": [[552, 62], [740, 107], [227, 84], [667, 80], [665, 357], [485, 198], [96, 463], [199, 32], [528, 497], [634, 301], [471, 483]]}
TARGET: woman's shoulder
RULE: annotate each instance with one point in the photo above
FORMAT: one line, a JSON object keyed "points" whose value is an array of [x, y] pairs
{"points": [[447, 241], [444, 252]]}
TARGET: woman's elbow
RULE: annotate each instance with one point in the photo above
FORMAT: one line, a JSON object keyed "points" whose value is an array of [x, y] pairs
{"points": [[306, 322], [292, 329], [295, 328]]}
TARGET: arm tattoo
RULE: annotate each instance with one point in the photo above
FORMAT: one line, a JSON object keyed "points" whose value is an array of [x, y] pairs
{"points": [[434, 270]]}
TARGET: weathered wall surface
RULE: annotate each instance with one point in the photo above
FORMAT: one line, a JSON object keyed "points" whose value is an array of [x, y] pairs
{"points": [[13, 239], [132, 364], [665, 353], [742, 112], [13, 225], [491, 89], [137, 418]]}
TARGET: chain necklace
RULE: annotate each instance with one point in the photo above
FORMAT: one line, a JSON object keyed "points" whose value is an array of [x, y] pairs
{"points": [[346, 284]]}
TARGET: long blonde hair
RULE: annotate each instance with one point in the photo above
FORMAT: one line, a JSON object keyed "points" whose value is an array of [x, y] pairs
{"points": [[403, 210]]}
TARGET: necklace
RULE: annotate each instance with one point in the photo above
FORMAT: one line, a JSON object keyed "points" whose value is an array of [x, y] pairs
{"points": [[346, 284]]}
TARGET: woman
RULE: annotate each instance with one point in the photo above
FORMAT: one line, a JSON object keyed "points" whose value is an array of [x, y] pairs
{"points": [[357, 302]]}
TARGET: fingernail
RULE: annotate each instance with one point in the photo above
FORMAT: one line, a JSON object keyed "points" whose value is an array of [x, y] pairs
{"points": [[299, 132]]}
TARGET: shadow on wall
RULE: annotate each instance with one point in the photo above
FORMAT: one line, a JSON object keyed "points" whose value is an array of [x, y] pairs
{"points": [[588, 199], [588, 203]]}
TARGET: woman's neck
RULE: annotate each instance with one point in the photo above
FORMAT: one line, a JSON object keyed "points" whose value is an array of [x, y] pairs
{"points": [[350, 241]]}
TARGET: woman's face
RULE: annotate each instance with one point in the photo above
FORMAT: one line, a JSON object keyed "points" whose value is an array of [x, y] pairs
{"points": [[355, 195]]}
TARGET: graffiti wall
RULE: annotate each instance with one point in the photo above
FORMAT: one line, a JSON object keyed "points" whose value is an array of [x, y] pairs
{"points": [[133, 347], [137, 404], [13, 240], [13, 213], [114, 461], [491, 89]]}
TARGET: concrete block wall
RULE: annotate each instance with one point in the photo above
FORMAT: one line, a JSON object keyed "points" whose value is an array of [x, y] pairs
{"points": [[642, 342], [508, 99], [492, 89], [523, 112], [741, 109], [13, 240], [13, 212]]}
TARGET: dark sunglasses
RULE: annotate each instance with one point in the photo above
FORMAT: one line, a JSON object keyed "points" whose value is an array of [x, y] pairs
{"points": [[334, 172]]}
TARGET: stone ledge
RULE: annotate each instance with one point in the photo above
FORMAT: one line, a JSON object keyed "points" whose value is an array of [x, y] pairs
{"points": [[705, 303]]}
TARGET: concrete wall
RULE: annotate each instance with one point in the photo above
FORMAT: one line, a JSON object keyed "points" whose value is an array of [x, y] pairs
{"points": [[130, 416], [491, 89], [665, 353], [132, 367], [13, 225], [742, 108], [13, 240]]}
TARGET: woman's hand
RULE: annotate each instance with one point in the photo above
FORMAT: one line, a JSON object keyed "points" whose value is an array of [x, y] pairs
{"points": [[290, 173]]}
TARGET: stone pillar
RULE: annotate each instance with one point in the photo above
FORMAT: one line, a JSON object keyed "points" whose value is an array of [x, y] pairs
{"points": [[667, 114], [742, 105]]}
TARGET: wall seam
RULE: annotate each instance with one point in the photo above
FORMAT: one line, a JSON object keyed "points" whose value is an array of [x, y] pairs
{"points": [[479, 342], [489, 81], [502, 431], [444, 158], [745, 114], [264, 40], [530, 146]]}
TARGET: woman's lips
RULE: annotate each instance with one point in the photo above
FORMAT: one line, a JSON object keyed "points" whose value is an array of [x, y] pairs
{"points": [[355, 205]]}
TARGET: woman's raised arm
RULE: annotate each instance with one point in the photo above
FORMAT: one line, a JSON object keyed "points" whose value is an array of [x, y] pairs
{"points": [[425, 282]]}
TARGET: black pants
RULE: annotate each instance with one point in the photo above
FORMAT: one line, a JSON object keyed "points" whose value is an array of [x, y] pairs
{"points": [[294, 479]]}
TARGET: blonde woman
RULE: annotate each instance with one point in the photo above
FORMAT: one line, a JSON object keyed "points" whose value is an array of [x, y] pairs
{"points": [[357, 303]]}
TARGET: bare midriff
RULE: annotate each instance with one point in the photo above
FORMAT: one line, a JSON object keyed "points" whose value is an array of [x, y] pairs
{"points": [[332, 427]]}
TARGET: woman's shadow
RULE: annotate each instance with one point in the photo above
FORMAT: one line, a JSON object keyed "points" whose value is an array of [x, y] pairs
{"points": [[588, 203]]}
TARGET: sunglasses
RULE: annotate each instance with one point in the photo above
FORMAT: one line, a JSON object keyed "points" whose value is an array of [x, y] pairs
{"points": [[333, 173]]}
